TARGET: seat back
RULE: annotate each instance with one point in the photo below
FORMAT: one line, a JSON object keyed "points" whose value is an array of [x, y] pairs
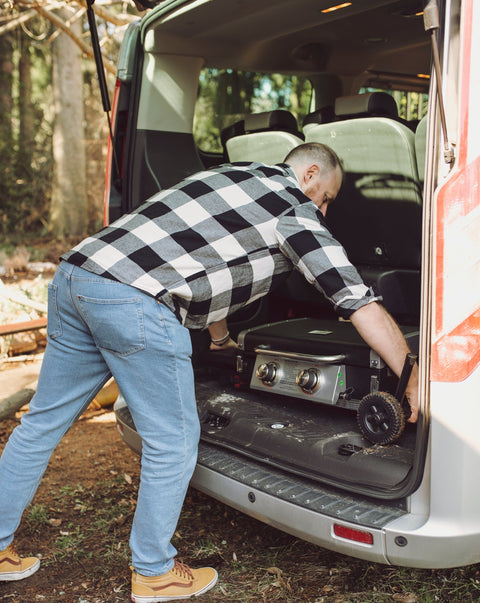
{"points": [[378, 214], [421, 147], [322, 115], [269, 137]]}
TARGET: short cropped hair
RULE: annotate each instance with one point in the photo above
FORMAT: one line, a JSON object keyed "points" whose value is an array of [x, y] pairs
{"points": [[314, 152]]}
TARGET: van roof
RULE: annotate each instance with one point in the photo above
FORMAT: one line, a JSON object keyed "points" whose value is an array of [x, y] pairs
{"points": [[368, 36]]}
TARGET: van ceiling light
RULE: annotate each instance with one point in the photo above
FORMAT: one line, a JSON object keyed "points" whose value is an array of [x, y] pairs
{"points": [[375, 40], [424, 76], [411, 13], [336, 7]]}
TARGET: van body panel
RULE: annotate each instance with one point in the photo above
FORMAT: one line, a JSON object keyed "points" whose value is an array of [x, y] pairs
{"points": [[429, 516], [456, 344]]}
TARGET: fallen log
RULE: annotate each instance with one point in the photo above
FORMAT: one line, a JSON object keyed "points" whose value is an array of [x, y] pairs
{"points": [[20, 327], [10, 405]]}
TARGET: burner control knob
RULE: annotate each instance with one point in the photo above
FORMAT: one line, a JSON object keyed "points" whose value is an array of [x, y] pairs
{"points": [[308, 380], [266, 372]]}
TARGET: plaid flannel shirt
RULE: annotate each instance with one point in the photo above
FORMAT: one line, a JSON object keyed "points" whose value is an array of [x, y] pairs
{"points": [[221, 239]]}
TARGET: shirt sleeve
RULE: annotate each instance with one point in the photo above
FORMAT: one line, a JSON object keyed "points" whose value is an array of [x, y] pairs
{"points": [[316, 253]]}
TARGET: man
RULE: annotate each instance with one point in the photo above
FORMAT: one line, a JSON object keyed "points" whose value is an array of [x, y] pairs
{"points": [[120, 303]]}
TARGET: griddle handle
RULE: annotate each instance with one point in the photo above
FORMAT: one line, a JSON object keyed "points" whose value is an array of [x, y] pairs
{"points": [[408, 365], [331, 359]]}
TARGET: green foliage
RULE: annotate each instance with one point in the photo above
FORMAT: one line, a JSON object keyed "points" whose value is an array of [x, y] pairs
{"points": [[24, 189], [411, 105], [26, 164], [225, 96], [36, 516]]}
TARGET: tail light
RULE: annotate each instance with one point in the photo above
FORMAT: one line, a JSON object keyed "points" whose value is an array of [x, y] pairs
{"points": [[352, 534]]}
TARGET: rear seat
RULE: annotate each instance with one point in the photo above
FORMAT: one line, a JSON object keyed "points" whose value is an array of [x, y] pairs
{"points": [[420, 147], [322, 115], [378, 214], [268, 137]]}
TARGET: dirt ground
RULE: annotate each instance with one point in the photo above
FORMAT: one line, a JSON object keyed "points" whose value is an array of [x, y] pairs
{"points": [[80, 518]]}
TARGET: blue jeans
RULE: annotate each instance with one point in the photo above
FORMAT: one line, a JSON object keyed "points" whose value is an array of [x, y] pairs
{"points": [[98, 328]]}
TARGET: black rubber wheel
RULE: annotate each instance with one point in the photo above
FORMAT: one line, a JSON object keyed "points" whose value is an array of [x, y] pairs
{"points": [[380, 418]]}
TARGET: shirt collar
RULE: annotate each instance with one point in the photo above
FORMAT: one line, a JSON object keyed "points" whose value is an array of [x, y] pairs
{"points": [[290, 173]]}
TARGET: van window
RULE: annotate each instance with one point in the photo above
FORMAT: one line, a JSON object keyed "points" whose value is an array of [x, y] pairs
{"points": [[226, 95], [412, 106]]}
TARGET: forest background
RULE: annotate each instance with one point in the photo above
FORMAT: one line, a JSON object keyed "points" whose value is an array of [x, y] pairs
{"points": [[54, 132]]}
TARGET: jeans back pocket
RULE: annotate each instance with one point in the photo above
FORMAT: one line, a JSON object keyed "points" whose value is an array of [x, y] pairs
{"points": [[116, 325]]}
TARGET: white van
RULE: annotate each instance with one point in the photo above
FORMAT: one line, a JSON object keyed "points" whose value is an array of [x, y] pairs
{"points": [[286, 434]]}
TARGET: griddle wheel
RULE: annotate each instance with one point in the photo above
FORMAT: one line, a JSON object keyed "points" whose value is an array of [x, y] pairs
{"points": [[380, 418]]}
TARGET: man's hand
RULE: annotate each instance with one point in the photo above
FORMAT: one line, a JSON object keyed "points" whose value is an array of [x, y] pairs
{"points": [[229, 345], [382, 334], [220, 337], [412, 395]]}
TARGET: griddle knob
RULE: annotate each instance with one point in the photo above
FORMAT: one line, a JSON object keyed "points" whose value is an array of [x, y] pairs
{"points": [[267, 372], [308, 380]]}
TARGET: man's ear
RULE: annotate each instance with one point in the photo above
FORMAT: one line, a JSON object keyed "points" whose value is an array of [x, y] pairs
{"points": [[311, 172]]}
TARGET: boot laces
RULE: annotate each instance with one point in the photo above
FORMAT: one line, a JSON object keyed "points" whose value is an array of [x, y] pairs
{"points": [[11, 548], [182, 570]]}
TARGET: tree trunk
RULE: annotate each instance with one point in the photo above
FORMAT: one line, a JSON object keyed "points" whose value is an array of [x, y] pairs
{"points": [[25, 106], [68, 212], [6, 79]]}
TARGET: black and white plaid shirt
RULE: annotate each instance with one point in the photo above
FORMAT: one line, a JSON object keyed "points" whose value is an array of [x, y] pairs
{"points": [[221, 239]]}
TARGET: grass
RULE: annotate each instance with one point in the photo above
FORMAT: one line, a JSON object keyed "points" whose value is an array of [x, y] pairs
{"points": [[36, 516], [82, 530], [82, 517], [256, 563]]}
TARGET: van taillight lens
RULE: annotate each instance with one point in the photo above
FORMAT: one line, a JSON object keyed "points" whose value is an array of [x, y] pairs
{"points": [[352, 534]]}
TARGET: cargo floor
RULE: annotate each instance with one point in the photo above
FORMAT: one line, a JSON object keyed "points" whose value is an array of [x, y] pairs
{"points": [[316, 441]]}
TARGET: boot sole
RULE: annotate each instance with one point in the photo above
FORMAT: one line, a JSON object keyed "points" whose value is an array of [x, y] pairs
{"points": [[160, 599], [12, 576]]}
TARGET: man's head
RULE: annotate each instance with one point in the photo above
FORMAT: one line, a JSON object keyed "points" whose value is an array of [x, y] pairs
{"points": [[319, 172]]}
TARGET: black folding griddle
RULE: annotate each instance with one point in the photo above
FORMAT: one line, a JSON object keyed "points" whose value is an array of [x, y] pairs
{"points": [[327, 362]]}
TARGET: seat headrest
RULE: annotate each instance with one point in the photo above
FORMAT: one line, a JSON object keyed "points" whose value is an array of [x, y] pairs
{"points": [[365, 105], [235, 129], [279, 119], [321, 116]]}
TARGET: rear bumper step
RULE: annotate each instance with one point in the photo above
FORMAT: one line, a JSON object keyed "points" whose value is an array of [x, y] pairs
{"points": [[298, 491]]}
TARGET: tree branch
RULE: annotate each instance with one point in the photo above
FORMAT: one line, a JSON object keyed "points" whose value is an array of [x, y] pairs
{"points": [[106, 15], [15, 22], [45, 10], [109, 66]]}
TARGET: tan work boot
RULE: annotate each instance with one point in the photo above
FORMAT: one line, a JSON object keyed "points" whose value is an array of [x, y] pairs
{"points": [[13, 567], [180, 582]]}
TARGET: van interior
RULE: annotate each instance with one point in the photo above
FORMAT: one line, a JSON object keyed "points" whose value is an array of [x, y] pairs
{"points": [[220, 81]]}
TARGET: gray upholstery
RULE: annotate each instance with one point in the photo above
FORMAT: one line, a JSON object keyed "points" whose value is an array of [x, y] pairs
{"points": [[378, 213], [269, 137], [381, 150], [370, 104], [279, 119], [421, 147], [322, 115]]}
